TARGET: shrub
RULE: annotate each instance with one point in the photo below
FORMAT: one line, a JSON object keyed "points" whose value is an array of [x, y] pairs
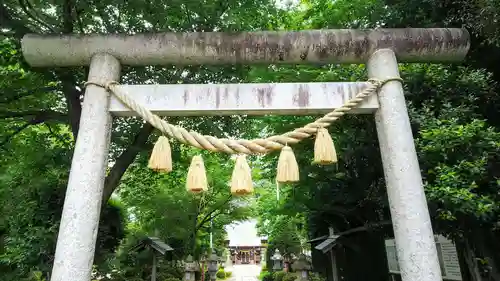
{"points": [[266, 276], [172, 279], [278, 275], [314, 276], [229, 274], [289, 276], [37, 276], [221, 274]]}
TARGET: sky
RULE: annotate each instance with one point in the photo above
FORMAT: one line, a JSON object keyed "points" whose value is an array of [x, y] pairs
{"points": [[243, 233]]}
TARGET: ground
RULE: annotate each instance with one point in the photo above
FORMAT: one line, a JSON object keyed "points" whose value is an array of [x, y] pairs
{"points": [[245, 272]]}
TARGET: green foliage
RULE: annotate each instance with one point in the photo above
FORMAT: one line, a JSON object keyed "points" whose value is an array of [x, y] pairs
{"points": [[455, 179], [221, 274], [456, 147], [38, 276], [314, 276], [289, 276], [159, 202], [33, 184], [453, 110], [173, 279], [283, 230], [39, 117], [266, 276], [454, 115], [279, 275], [229, 274]]}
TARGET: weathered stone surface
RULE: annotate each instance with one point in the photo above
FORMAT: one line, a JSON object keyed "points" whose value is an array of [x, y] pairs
{"points": [[250, 99], [416, 249], [82, 206], [211, 48]]}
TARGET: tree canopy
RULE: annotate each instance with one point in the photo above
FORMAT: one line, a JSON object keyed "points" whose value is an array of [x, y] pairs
{"points": [[453, 110]]}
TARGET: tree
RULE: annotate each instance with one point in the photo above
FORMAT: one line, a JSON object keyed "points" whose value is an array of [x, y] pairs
{"points": [[453, 111], [451, 115], [19, 18], [160, 206], [31, 195], [50, 99]]}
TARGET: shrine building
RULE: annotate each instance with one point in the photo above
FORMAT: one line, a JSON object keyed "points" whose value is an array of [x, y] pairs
{"points": [[244, 246]]}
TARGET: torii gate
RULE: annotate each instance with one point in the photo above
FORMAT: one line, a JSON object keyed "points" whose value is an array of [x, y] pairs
{"points": [[378, 48]]}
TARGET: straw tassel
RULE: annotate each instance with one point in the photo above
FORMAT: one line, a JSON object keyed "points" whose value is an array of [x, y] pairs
{"points": [[288, 169], [324, 149], [161, 157], [241, 181], [196, 181]]}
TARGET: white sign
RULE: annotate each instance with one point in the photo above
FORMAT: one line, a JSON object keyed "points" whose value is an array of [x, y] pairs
{"points": [[447, 254]]}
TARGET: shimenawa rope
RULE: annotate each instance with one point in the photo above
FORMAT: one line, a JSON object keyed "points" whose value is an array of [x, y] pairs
{"points": [[241, 146]]}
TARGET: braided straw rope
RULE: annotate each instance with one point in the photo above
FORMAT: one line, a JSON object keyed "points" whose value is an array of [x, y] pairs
{"points": [[241, 146]]}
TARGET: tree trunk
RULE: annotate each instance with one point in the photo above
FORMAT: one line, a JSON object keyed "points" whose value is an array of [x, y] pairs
{"points": [[468, 265], [478, 256], [487, 245], [367, 249]]}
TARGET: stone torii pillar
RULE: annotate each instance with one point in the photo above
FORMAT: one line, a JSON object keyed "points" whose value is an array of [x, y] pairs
{"points": [[379, 49]]}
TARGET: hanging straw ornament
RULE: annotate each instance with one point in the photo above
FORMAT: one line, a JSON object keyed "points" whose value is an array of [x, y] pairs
{"points": [[196, 181], [324, 149], [161, 157], [241, 180], [288, 169]]}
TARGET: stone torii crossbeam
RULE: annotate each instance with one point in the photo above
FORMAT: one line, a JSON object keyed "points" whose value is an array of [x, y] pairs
{"points": [[379, 49]]}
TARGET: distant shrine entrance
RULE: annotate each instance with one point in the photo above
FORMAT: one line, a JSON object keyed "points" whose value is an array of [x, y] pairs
{"points": [[247, 253]]}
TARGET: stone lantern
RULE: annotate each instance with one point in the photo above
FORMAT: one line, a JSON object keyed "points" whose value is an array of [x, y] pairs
{"points": [[302, 266], [213, 266], [277, 260], [190, 269]]}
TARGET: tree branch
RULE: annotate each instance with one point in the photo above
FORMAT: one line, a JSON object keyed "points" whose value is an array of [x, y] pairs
{"points": [[201, 224], [208, 216], [101, 9], [7, 21], [24, 4], [26, 93], [41, 115], [36, 120], [16, 132], [72, 95], [42, 16], [78, 14], [67, 16], [54, 134], [366, 227], [124, 160]]}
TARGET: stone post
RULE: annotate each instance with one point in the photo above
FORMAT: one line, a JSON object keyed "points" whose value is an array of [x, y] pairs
{"points": [[277, 259], [302, 267], [416, 249], [82, 206], [213, 265], [190, 269]]}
